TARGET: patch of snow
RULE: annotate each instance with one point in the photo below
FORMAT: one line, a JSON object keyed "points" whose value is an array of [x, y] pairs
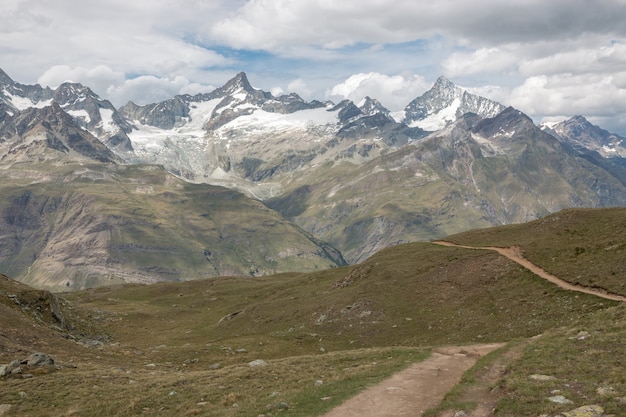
{"points": [[108, 125], [439, 120], [79, 114], [608, 149], [23, 103], [219, 173], [200, 113], [398, 116], [262, 120]]}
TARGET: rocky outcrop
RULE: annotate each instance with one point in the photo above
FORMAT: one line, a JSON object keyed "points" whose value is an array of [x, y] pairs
{"points": [[22, 368]]}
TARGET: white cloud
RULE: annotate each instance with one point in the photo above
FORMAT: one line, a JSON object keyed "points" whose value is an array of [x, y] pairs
{"points": [[300, 87], [319, 43], [483, 60], [592, 95], [98, 78], [275, 24], [394, 92], [598, 59], [150, 89]]}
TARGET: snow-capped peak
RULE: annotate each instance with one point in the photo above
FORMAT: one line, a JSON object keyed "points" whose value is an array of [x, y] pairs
{"points": [[444, 103]]}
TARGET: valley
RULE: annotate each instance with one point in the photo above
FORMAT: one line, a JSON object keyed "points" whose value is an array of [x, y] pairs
{"points": [[318, 338], [238, 253]]}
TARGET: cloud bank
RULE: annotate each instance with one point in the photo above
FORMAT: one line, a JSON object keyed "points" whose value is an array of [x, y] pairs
{"points": [[548, 59]]}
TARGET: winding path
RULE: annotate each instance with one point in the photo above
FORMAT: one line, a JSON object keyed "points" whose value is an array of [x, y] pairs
{"points": [[515, 254], [423, 385]]}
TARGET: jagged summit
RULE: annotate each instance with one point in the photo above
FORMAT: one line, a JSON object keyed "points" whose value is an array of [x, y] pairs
{"points": [[238, 83], [371, 106], [584, 136], [5, 80], [50, 133], [444, 84], [444, 103]]}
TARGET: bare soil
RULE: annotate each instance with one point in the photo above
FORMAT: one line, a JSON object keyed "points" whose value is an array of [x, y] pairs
{"points": [[416, 389]]}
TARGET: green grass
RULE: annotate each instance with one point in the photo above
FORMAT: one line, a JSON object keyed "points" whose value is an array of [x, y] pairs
{"points": [[582, 246], [582, 358]]}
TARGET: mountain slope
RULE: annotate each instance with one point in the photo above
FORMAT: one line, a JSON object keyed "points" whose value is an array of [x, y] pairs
{"points": [[476, 173], [86, 225]]}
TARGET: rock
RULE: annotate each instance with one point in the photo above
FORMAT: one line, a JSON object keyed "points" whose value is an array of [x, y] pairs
{"points": [[215, 366], [16, 371], [582, 335], [257, 362], [559, 399], [319, 383], [606, 391], [40, 359], [4, 408], [4, 370], [539, 377], [460, 413], [278, 406], [584, 411]]}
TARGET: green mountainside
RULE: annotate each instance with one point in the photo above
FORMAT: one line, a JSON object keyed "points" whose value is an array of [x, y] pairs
{"points": [[82, 225]]}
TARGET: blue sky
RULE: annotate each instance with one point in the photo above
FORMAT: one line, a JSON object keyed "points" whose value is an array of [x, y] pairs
{"points": [[550, 59]]}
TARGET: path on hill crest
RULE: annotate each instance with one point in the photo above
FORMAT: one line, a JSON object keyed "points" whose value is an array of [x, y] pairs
{"points": [[515, 254], [422, 386]]}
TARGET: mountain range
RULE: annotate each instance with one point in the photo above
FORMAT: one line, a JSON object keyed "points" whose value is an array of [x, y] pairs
{"points": [[345, 179]]}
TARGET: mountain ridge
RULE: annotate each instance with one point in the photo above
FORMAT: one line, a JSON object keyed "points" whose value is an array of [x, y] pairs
{"points": [[348, 173]]}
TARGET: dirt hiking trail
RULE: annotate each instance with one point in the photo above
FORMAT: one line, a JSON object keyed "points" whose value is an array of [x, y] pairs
{"points": [[423, 385], [515, 254], [420, 387]]}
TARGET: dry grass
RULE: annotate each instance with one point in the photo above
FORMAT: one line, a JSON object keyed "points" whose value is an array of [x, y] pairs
{"points": [[348, 327]]}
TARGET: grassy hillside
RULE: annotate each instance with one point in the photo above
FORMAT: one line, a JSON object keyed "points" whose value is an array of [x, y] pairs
{"points": [[183, 348], [583, 246]]}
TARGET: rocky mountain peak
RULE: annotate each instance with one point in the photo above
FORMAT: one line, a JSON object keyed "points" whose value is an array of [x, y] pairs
{"points": [[5, 80], [445, 85], [507, 123], [583, 135], [43, 133], [371, 106], [70, 93], [444, 103], [236, 84]]}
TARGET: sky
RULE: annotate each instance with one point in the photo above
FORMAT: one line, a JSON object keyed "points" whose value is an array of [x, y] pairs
{"points": [[551, 59]]}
